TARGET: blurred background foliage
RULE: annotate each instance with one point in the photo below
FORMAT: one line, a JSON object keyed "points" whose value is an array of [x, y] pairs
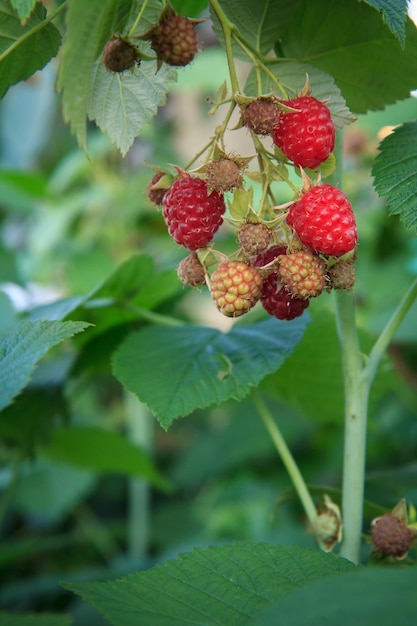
{"points": [[66, 223]]}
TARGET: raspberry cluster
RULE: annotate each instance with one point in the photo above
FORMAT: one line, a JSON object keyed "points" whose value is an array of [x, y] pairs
{"points": [[287, 254]]}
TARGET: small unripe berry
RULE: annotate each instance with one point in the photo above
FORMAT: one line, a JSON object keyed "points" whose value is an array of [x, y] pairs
{"points": [[235, 288], [254, 238], [223, 175], [174, 40], [303, 273], [191, 272], [261, 116]]}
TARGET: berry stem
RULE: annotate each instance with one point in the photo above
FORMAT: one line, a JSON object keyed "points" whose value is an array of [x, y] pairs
{"points": [[228, 28], [138, 18], [286, 457]]}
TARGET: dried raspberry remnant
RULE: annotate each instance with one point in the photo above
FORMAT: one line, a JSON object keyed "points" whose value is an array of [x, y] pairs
{"points": [[190, 271], [235, 288], [192, 215], [307, 136], [175, 40], [255, 238], [324, 221], [156, 194], [261, 116], [391, 537], [119, 55], [223, 175]]}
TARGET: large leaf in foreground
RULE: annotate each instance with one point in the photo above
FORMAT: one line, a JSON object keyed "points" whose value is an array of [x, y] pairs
{"points": [[222, 585], [365, 597], [394, 173], [178, 369], [394, 14], [34, 619], [24, 49], [22, 349], [350, 41]]}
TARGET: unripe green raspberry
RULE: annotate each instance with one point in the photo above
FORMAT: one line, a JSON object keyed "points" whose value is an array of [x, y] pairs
{"points": [[235, 287], [303, 273], [255, 238]]}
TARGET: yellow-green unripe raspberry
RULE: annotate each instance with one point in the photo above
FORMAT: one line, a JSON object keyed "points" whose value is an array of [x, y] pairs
{"points": [[303, 273], [235, 287]]}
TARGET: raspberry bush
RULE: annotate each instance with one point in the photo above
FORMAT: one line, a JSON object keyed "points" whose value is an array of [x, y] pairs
{"points": [[244, 288]]}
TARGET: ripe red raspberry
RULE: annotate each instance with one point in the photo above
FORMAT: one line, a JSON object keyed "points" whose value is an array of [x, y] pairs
{"points": [[191, 214], [235, 288], [324, 221], [391, 537], [190, 271], [261, 116], [119, 55], [174, 40], [303, 273], [223, 175], [279, 302], [254, 238], [306, 137]]}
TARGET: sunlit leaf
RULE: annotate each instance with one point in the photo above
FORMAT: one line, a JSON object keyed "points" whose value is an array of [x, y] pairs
{"points": [[394, 14], [23, 8]]}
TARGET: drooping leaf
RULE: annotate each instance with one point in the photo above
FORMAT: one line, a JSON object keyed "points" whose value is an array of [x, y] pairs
{"points": [[292, 76], [201, 366], [101, 451], [350, 41], [24, 48], [121, 104], [89, 25], [24, 347], [394, 173], [365, 597], [23, 8], [220, 585], [394, 14], [35, 619]]}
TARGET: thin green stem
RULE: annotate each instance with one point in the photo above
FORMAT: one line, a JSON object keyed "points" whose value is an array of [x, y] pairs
{"points": [[151, 316], [138, 18], [286, 457], [32, 31], [228, 28]]}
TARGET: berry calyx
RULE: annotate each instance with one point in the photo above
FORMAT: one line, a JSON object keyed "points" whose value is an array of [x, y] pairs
{"points": [[235, 287], [119, 55], [174, 40], [261, 116], [190, 271], [191, 213], [279, 302], [391, 537], [254, 238], [223, 175], [324, 221], [303, 273], [306, 136]]}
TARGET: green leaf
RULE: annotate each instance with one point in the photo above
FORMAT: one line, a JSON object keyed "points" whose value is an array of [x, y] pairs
{"points": [[394, 173], [366, 597], [349, 41], [89, 25], [311, 379], [222, 585], [38, 619], [23, 8], [293, 77], [24, 49], [23, 348], [190, 8], [121, 104], [394, 14], [201, 366], [101, 451]]}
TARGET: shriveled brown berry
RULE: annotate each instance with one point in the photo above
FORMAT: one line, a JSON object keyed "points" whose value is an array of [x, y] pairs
{"points": [[156, 194], [223, 175], [303, 273], [190, 271], [391, 537], [342, 275], [254, 238], [119, 55], [261, 116], [235, 288]]}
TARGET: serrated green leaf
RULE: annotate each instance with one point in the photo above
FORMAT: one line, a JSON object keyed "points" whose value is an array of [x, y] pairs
{"points": [[349, 41], [311, 380], [24, 49], [121, 104], [101, 451], [24, 347], [201, 366], [394, 14], [38, 619], [190, 8], [394, 173], [365, 597], [293, 76], [221, 585], [23, 8], [89, 25]]}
